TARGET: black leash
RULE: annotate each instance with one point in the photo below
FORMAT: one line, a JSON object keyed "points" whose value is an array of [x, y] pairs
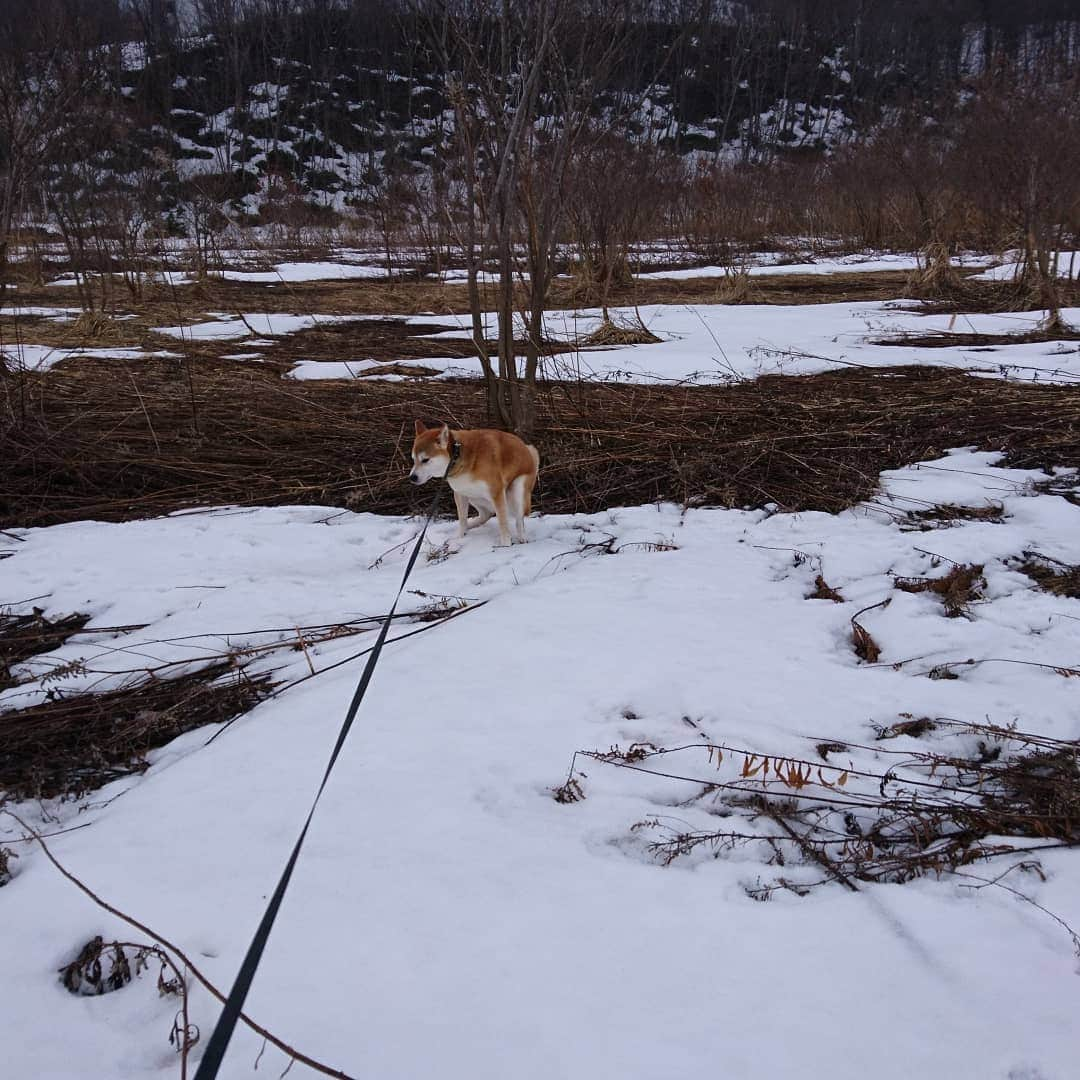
{"points": [[234, 1004]]}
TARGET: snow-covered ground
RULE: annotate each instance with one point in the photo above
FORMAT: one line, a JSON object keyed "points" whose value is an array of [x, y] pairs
{"points": [[448, 917], [278, 273], [447, 367], [307, 271], [227, 325], [709, 343], [772, 264], [359, 264], [699, 343], [166, 277], [24, 356], [1068, 267], [764, 263], [57, 314]]}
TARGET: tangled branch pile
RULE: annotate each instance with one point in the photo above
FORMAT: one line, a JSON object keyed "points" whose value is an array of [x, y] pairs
{"points": [[929, 812], [82, 442], [23, 636]]}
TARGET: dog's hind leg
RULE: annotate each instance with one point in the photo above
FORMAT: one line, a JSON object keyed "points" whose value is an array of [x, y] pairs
{"points": [[504, 519], [530, 483], [485, 515], [530, 480], [517, 496]]}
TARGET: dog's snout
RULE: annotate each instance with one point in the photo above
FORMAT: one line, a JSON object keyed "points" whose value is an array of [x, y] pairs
{"points": [[413, 478]]}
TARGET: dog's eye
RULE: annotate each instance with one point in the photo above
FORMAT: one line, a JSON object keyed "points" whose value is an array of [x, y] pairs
{"points": [[422, 460]]}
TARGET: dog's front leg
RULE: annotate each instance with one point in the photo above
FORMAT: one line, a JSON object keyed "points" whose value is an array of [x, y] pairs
{"points": [[462, 504]]}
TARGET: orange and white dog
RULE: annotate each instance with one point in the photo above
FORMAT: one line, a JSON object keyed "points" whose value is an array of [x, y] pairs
{"points": [[492, 471]]}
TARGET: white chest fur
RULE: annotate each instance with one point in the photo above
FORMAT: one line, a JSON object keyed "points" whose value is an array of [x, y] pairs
{"points": [[476, 491]]}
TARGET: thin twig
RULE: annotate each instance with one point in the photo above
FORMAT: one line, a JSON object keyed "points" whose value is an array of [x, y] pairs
{"points": [[283, 1046]]}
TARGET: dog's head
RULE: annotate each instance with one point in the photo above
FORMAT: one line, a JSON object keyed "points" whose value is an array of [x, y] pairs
{"points": [[430, 453]]}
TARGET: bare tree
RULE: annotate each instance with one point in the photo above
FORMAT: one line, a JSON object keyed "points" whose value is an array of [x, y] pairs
{"points": [[1018, 155], [524, 80], [495, 55], [47, 65], [616, 190]]}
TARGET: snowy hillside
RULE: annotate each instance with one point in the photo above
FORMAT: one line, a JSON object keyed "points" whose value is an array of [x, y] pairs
{"points": [[259, 109]]}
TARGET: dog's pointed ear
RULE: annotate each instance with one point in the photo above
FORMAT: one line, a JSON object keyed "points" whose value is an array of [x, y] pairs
{"points": [[444, 436], [420, 429]]}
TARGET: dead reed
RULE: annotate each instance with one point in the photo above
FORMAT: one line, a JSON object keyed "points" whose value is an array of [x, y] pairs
{"points": [[112, 441], [23, 636], [71, 744], [945, 515], [1051, 575], [957, 589]]}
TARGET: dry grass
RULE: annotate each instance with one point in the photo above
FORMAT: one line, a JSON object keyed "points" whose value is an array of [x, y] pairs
{"points": [[862, 642], [6, 871], [969, 295], [759, 289], [1051, 575], [737, 288], [946, 515], [914, 727], [79, 738], [88, 331], [115, 440], [97, 327], [362, 297], [23, 636], [986, 342], [824, 591], [70, 745], [949, 288], [956, 590], [607, 333]]}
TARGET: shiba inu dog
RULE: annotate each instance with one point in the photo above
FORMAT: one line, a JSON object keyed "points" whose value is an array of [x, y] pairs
{"points": [[492, 471]]}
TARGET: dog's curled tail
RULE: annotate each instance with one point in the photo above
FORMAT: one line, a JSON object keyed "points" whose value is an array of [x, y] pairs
{"points": [[535, 455]]}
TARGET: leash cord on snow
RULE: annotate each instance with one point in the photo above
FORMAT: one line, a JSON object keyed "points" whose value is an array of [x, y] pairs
{"points": [[234, 1003]]}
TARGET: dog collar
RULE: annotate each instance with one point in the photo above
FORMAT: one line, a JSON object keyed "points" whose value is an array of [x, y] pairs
{"points": [[455, 455]]}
